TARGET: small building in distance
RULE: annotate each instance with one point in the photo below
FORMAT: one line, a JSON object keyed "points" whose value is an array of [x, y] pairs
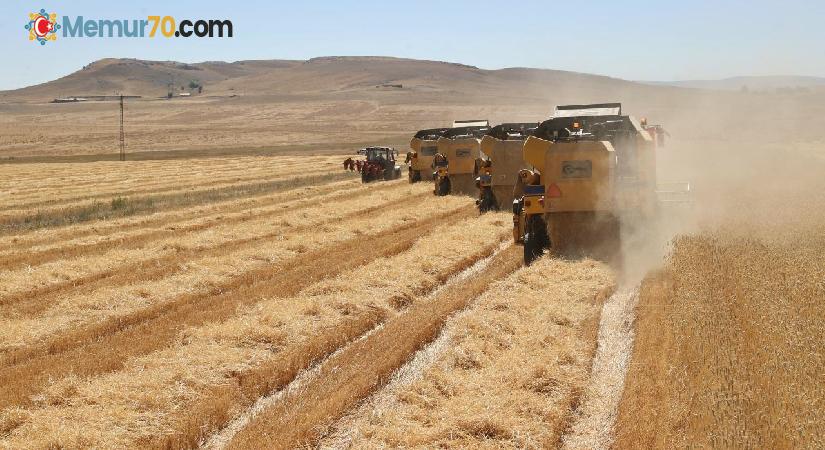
{"points": [[68, 100]]}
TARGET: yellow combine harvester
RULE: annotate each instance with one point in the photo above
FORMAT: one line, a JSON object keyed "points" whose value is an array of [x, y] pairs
{"points": [[456, 163], [423, 147], [497, 175], [594, 171]]}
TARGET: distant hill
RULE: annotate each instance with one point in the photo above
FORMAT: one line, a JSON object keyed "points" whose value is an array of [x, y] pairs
{"points": [[342, 74], [317, 75], [760, 83], [137, 77]]}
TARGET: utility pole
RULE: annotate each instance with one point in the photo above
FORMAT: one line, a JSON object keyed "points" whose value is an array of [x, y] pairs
{"points": [[122, 135]]}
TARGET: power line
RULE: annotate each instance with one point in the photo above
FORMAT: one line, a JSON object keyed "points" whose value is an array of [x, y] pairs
{"points": [[122, 135]]}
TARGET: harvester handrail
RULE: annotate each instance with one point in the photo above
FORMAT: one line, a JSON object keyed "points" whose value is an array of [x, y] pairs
{"points": [[466, 132], [513, 130], [596, 109], [430, 134]]}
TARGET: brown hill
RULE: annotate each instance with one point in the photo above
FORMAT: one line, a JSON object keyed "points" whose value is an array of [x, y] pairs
{"points": [[137, 77], [317, 75]]}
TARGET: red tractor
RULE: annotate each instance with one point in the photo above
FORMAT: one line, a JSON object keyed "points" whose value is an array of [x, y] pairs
{"points": [[378, 165]]}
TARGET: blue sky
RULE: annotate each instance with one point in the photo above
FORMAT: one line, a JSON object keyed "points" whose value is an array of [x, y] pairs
{"points": [[640, 40]]}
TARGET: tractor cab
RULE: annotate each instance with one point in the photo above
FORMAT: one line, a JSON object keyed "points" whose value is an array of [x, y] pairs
{"points": [[379, 154]]}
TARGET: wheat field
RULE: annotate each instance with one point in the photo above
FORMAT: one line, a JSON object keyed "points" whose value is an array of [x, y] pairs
{"points": [[153, 303], [278, 302], [738, 309]]}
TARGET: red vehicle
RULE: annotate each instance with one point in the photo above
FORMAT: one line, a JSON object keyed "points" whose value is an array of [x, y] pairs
{"points": [[379, 164]]}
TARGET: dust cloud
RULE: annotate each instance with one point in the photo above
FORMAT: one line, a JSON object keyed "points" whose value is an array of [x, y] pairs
{"points": [[755, 163]]}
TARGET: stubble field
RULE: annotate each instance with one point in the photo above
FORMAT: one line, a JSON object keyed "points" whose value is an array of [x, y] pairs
{"points": [[179, 303]]}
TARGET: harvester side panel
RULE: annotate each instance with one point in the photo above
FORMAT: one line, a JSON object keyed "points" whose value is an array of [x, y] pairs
{"points": [[533, 151], [507, 161]]}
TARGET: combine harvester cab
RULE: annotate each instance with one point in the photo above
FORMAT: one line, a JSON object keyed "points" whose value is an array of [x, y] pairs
{"points": [[594, 171], [497, 175], [459, 150], [379, 164], [423, 147]]}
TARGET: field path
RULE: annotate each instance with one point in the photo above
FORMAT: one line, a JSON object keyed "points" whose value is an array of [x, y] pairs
{"points": [[366, 365], [505, 372], [593, 426]]}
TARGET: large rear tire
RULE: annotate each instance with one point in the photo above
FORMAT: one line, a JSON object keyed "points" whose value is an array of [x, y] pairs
{"points": [[443, 187], [535, 239], [487, 202]]}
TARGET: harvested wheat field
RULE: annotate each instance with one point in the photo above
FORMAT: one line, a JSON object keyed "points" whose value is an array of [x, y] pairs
{"points": [[506, 372], [278, 302], [167, 303]]}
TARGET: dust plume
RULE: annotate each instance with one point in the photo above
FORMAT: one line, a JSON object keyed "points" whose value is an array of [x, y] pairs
{"points": [[726, 352]]}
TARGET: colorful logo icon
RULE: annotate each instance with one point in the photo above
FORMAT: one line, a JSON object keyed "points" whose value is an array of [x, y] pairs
{"points": [[42, 26]]}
